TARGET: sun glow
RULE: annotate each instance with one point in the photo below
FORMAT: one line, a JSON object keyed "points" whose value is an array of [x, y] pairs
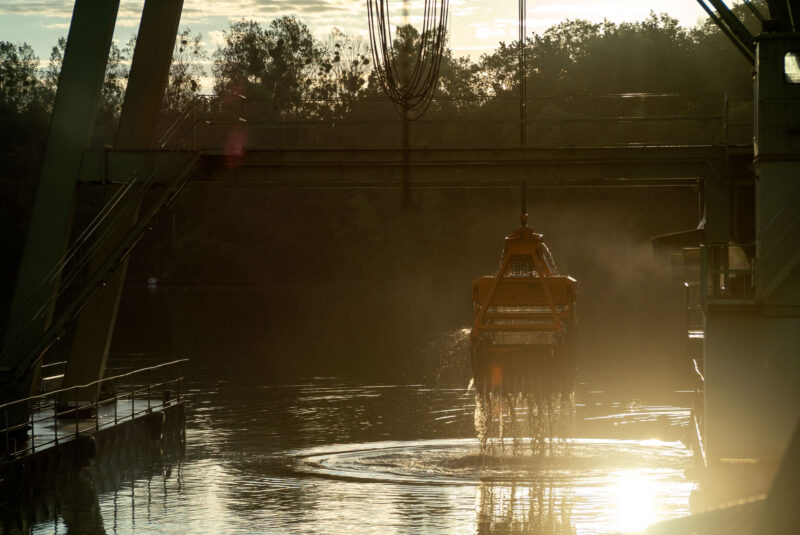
{"points": [[635, 501]]}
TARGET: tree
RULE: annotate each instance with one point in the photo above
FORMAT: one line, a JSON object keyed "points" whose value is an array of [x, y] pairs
{"points": [[19, 84], [185, 71], [112, 93], [53, 69], [345, 63], [656, 55], [24, 111], [270, 62], [24, 117]]}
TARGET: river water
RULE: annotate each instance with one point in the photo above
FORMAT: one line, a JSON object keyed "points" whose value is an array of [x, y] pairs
{"points": [[327, 455]]}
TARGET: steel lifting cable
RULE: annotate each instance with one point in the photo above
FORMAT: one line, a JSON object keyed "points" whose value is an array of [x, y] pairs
{"points": [[410, 92], [522, 12]]}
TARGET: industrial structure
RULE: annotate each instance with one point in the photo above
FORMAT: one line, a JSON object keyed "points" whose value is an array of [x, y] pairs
{"points": [[749, 283], [747, 247], [77, 281], [524, 320]]}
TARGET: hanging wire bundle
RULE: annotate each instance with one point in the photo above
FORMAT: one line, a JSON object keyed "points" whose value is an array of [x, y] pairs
{"points": [[410, 89]]}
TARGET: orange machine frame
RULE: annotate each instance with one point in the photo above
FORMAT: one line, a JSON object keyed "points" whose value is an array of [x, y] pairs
{"points": [[526, 295]]}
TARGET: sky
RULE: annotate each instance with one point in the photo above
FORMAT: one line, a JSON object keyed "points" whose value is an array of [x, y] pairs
{"points": [[475, 26]]}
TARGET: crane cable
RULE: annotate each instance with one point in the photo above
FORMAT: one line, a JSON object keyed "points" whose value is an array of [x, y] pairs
{"points": [[523, 115], [411, 93]]}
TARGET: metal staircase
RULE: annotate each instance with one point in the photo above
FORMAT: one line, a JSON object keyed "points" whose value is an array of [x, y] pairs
{"points": [[111, 234]]}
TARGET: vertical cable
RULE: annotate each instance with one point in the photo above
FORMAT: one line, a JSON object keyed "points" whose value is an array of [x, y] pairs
{"points": [[523, 126]]}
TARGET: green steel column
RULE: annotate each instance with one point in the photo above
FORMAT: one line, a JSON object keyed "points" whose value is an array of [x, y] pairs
{"points": [[76, 103], [137, 129], [777, 167], [752, 350], [149, 74]]}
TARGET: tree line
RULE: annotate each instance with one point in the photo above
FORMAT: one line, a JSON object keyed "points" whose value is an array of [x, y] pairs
{"points": [[284, 62], [296, 74]]}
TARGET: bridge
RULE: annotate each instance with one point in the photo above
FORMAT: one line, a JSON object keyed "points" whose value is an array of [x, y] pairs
{"points": [[459, 143]]}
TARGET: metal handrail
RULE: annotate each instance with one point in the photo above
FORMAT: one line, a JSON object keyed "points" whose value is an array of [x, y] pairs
{"points": [[615, 118], [513, 98], [87, 385], [56, 414]]}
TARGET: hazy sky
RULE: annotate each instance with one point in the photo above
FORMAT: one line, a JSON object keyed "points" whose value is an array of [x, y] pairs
{"points": [[475, 25]]}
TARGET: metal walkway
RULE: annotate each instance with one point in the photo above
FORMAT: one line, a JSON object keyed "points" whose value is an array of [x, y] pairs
{"points": [[661, 139], [54, 419]]}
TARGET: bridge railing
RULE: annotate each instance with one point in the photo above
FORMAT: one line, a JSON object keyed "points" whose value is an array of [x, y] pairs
{"points": [[238, 123], [51, 421]]}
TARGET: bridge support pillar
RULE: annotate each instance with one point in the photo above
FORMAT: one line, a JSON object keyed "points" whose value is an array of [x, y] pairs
{"points": [[74, 109], [147, 82]]}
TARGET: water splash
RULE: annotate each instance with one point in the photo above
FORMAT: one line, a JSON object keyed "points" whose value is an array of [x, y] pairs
{"points": [[443, 360], [536, 419]]}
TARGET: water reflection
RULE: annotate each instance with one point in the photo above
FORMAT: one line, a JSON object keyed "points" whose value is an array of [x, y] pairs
{"points": [[329, 456], [625, 502], [535, 508], [590, 486], [112, 495]]}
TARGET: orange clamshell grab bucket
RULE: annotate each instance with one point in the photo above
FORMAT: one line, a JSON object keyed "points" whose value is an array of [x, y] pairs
{"points": [[524, 319]]}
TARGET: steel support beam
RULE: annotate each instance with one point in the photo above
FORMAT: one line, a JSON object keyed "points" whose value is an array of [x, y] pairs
{"points": [[137, 130], [76, 102], [732, 27], [491, 167], [573, 166]]}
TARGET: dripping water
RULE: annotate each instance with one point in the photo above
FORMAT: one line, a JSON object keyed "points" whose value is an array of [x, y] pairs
{"points": [[537, 420]]}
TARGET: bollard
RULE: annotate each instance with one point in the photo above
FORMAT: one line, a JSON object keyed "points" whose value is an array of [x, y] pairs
{"points": [[75, 412], [55, 421], [178, 380], [148, 392], [33, 446]]}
